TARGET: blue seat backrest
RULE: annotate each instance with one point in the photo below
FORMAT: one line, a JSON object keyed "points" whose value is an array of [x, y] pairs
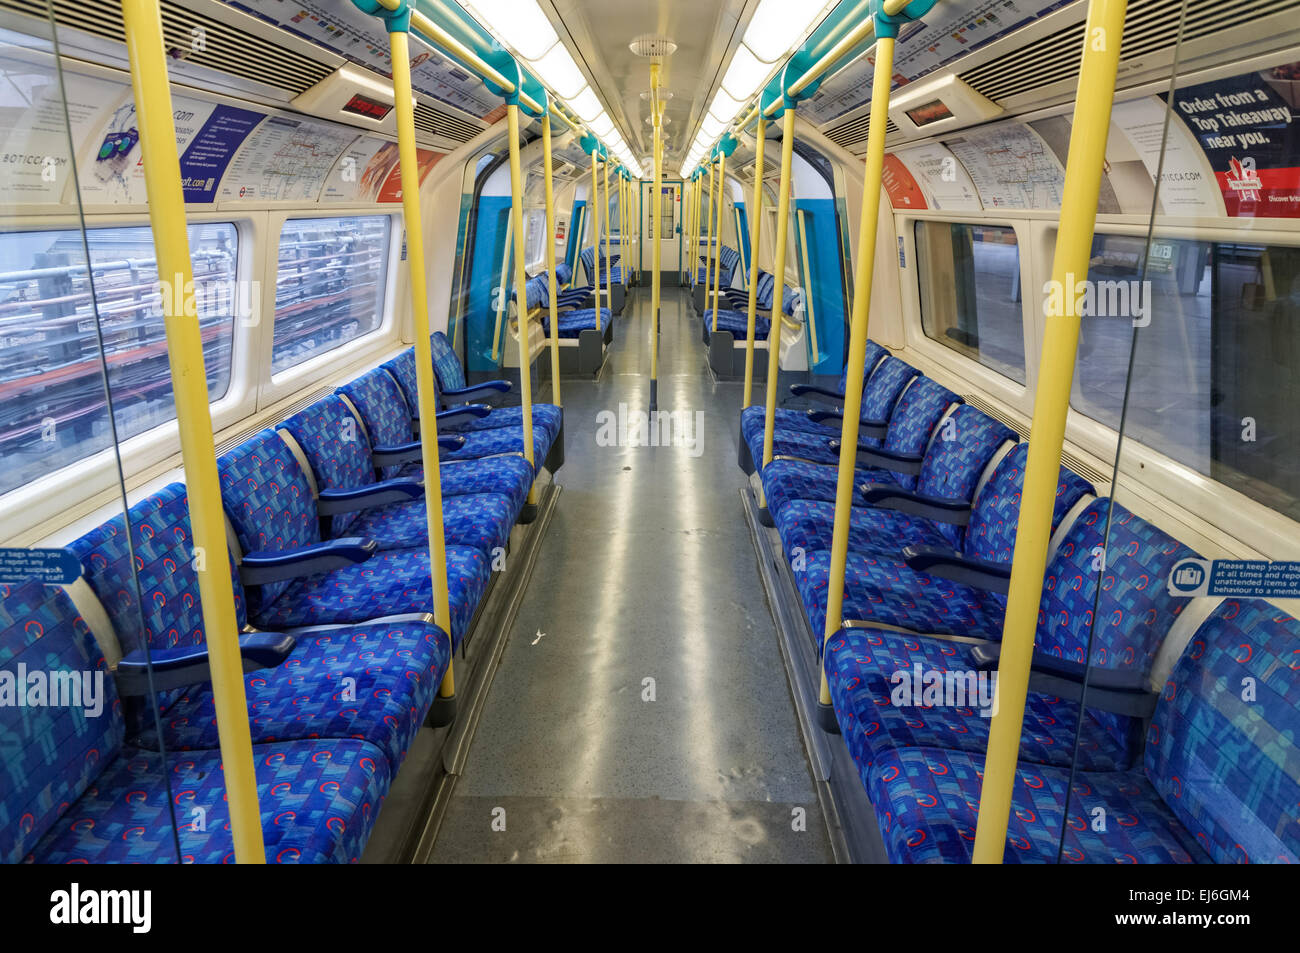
{"points": [[1222, 745], [728, 259], [269, 502], [446, 365], [884, 386], [766, 288], [789, 299], [995, 516], [163, 546], [379, 398], [1135, 610], [915, 415], [588, 256], [402, 368], [563, 272], [962, 447], [874, 355], [52, 753], [336, 448], [536, 292]]}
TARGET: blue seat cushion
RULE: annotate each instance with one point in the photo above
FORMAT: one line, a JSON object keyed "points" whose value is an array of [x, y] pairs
{"points": [[737, 322], [573, 323], [882, 590], [481, 521], [499, 440], [318, 802], [809, 525], [798, 445], [396, 668], [546, 417], [753, 418], [389, 583], [786, 480], [509, 475], [861, 665], [927, 801]]}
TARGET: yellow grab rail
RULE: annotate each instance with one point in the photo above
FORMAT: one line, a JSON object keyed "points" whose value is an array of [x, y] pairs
{"points": [[1083, 172], [521, 290], [778, 288], [755, 233], [142, 20], [609, 235], [656, 224], [595, 231], [503, 283], [550, 259], [708, 242], [717, 269]]}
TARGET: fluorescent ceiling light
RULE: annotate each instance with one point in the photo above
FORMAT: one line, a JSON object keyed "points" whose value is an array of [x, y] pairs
{"points": [[558, 71], [521, 23], [586, 105], [712, 127], [602, 126], [778, 24], [743, 76], [724, 107]]}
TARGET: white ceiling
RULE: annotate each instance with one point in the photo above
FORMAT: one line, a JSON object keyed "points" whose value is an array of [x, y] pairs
{"points": [[598, 33]]}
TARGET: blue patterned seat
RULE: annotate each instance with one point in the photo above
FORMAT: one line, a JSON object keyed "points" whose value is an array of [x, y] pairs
{"points": [[269, 503], [737, 321], [588, 256], [728, 260], [338, 451], [546, 417], [1134, 614], [396, 667], [75, 793], [880, 587], [1219, 782], [954, 460], [574, 321]]}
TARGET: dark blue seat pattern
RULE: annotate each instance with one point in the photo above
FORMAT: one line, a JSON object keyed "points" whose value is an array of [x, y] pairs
{"points": [[339, 454], [1219, 782], [75, 793], [736, 321], [271, 507], [395, 667], [728, 259]]}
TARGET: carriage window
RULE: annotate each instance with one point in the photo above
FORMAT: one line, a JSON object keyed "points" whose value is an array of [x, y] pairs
{"points": [[970, 292], [535, 236], [1218, 341], [53, 409], [330, 284]]}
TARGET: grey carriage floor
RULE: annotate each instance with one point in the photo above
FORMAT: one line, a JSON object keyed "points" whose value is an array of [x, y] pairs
{"points": [[646, 585]]}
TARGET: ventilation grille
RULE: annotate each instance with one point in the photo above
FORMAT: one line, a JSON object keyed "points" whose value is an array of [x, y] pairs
{"points": [[1150, 27], [433, 120], [226, 48], [1072, 461], [855, 131], [979, 403]]}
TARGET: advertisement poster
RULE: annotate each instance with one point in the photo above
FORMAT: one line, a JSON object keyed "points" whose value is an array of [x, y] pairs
{"points": [[942, 178], [1187, 186], [391, 190], [1246, 127], [360, 171], [902, 189], [286, 159], [205, 159], [1011, 167]]}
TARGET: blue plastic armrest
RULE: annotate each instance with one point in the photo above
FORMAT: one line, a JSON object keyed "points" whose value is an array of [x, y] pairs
{"points": [[823, 394], [1122, 691], [866, 428], [351, 499], [882, 459], [947, 563], [462, 414], [188, 664], [484, 389], [938, 508], [261, 568], [450, 441], [397, 453]]}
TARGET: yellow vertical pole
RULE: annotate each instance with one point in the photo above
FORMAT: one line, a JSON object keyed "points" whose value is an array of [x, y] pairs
{"points": [[404, 109], [162, 176], [858, 327], [595, 229], [609, 236], [525, 347], [755, 233], [1083, 172], [550, 259], [708, 244], [656, 223], [717, 269], [501, 298], [778, 273]]}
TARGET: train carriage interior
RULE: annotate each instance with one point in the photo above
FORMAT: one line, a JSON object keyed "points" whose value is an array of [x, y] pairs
{"points": [[741, 431]]}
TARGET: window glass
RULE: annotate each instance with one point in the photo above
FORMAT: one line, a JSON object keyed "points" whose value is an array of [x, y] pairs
{"points": [[330, 285], [970, 292], [535, 236], [52, 404], [1215, 386]]}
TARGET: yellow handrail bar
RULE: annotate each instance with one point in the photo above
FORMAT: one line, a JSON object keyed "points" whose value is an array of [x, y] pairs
{"points": [[755, 234]]}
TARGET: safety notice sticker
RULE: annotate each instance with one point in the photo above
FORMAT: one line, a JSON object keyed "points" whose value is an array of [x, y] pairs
{"points": [[1259, 578], [50, 566]]}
